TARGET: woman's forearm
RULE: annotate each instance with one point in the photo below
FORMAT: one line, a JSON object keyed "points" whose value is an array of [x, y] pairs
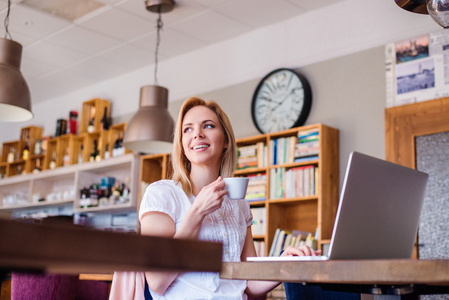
{"points": [[259, 288], [189, 229]]}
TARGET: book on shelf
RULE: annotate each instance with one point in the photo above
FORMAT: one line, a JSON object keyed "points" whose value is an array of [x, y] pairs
{"points": [[282, 150], [296, 238], [260, 248], [306, 158], [308, 144], [259, 220], [251, 156], [308, 135], [257, 187], [294, 182]]}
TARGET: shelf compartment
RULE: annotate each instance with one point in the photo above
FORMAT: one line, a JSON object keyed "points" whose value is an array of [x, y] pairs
{"points": [[60, 187], [93, 109], [124, 169], [116, 133], [14, 194], [251, 151], [32, 133], [50, 152], [292, 215], [14, 147]]}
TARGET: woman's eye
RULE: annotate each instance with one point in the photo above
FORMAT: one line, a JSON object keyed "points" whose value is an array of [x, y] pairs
{"points": [[187, 129], [209, 126]]}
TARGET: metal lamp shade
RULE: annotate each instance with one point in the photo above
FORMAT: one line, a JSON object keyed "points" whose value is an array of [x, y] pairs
{"points": [[150, 130], [162, 6], [437, 9], [15, 99]]}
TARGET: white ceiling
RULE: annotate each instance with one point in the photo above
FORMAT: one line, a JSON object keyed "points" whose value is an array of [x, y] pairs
{"points": [[61, 55]]}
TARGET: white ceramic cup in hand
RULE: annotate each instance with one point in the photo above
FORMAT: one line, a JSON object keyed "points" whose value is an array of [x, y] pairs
{"points": [[236, 187]]}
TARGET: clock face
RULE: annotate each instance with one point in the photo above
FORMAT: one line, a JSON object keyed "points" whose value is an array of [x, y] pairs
{"points": [[282, 100]]}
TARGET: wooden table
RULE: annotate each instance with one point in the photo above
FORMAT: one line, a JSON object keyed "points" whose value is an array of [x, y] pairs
{"points": [[74, 250], [394, 278]]}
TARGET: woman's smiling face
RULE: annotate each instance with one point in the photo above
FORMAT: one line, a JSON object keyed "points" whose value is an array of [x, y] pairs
{"points": [[203, 139]]}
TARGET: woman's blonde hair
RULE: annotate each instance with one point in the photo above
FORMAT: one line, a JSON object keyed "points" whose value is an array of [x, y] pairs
{"points": [[181, 165]]}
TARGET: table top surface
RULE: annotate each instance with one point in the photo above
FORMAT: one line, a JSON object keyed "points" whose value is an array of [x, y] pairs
{"points": [[74, 250], [395, 271]]}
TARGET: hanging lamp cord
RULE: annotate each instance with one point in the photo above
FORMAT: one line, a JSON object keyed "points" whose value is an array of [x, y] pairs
{"points": [[6, 23], [158, 41]]}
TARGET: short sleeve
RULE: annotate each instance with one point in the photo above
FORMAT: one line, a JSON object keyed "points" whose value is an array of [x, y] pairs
{"points": [[248, 215], [159, 197]]}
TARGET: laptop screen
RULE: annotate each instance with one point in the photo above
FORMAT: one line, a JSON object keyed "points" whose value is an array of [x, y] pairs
{"points": [[379, 209]]}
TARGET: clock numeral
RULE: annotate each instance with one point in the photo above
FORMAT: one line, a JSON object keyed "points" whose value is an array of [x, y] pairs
{"points": [[270, 86]]}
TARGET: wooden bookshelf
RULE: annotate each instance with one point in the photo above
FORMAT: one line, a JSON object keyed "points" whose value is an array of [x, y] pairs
{"points": [[313, 213]]}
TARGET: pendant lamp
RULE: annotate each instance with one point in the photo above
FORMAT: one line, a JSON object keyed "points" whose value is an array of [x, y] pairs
{"points": [[15, 99], [150, 130], [437, 9]]}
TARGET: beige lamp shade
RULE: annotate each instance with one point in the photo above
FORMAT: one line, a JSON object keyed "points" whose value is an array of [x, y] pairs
{"points": [[150, 130], [15, 99]]}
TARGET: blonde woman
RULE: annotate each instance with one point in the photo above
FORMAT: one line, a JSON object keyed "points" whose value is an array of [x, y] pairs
{"points": [[194, 205]]}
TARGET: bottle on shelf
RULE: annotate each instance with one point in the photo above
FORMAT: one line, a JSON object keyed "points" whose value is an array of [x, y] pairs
{"points": [[11, 155], [53, 161], [37, 167], [61, 127], [38, 147], [95, 154], [91, 127], [72, 123], [66, 159], [105, 120], [103, 199], [106, 152], [80, 154], [26, 149], [118, 147], [93, 196]]}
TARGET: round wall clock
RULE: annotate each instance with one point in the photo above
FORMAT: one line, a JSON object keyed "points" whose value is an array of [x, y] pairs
{"points": [[282, 100]]}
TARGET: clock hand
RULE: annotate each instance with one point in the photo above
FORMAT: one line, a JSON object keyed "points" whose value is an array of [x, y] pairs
{"points": [[280, 102], [269, 100]]}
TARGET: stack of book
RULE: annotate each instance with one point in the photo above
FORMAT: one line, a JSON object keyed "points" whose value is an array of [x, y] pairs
{"points": [[251, 156], [308, 145], [295, 182], [296, 238], [257, 187], [259, 221]]}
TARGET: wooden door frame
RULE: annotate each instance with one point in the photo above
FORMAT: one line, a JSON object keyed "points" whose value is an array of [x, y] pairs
{"points": [[404, 123]]}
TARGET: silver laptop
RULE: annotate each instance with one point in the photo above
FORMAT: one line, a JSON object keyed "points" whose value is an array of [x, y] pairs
{"points": [[378, 213]]}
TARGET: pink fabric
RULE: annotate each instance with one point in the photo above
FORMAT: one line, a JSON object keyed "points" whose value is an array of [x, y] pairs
{"points": [[43, 286], [128, 286]]}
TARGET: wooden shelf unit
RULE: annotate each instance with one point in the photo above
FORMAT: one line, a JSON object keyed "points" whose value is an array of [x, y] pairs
{"points": [[315, 213], [64, 184], [311, 213], [19, 165]]}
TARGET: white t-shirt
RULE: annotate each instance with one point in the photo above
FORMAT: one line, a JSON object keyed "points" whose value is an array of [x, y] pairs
{"points": [[227, 225]]}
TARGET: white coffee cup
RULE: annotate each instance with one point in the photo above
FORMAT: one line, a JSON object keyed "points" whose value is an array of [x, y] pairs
{"points": [[236, 187]]}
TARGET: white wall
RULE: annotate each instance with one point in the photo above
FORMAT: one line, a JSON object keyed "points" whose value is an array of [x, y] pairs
{"points": [[340, 49], [348, 94]]}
